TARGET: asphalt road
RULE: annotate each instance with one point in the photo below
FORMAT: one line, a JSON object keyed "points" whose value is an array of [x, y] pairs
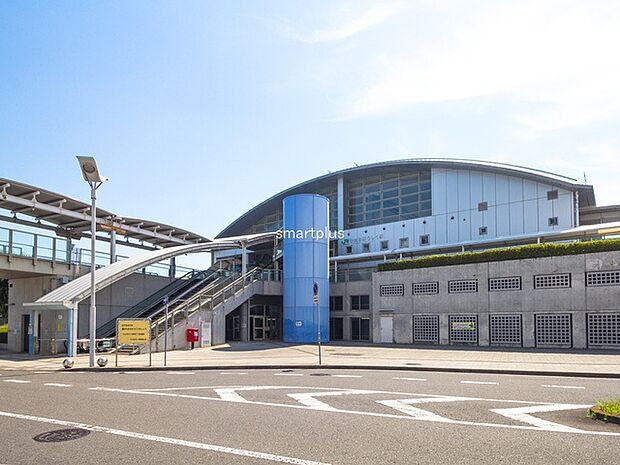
{"points": [[304, 417]]}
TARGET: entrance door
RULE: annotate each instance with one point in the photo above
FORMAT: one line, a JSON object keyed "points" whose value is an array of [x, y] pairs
{"points": [[25, 335], [258, 332], [387, 329], [236, 328]]}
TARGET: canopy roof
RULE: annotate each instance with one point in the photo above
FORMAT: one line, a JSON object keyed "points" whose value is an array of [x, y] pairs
{"points": [[70, 294], [72, 218]]}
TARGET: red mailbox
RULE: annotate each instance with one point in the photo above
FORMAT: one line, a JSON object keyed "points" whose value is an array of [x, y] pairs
{"points": [[191, 335]]}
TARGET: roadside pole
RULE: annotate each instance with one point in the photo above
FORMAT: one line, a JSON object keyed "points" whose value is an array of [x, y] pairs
{"points": [[315, 299], [166, 330]]}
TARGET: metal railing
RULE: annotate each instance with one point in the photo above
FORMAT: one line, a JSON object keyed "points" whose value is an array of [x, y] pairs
{"points": [[196, 303], [41, 247]]}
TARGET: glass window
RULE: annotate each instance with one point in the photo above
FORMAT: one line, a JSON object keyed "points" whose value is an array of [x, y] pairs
{"points": [[390, 194], [336, 303], [360, 329], [336, 332], [360, 302]]}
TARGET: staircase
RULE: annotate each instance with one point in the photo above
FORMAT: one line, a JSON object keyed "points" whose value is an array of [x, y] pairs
{"points": [[213, 303], [177, 292]]}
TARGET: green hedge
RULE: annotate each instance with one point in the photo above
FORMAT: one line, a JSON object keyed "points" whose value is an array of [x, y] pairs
{"points": [[498, 255]]}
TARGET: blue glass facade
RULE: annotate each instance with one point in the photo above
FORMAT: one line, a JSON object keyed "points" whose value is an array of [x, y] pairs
{"points": [[305, 262]]}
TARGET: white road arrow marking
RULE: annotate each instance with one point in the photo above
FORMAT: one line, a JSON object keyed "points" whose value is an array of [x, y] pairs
{"points": [[404, 405], [523, 414], [309, 398]]}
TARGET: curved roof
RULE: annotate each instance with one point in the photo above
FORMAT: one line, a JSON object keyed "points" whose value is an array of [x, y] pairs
{"points": [[72, 218], [79, 289], [586, 191]]}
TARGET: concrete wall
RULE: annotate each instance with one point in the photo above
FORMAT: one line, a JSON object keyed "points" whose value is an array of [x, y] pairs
{"points": [[110, 303], [577, 300]]}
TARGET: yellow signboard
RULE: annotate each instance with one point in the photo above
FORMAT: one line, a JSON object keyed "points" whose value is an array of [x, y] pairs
{"points": [[133, 332]]}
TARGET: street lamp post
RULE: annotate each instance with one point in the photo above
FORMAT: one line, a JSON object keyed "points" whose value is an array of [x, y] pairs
{"points": [[91, 174]]}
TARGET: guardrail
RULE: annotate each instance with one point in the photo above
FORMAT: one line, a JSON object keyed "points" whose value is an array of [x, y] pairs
{"points": [[41, 247]]}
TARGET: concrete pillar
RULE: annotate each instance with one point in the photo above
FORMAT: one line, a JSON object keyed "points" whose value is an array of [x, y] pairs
{"points": [[244, 258], [444, 329], [244, 321], [483, 329]]}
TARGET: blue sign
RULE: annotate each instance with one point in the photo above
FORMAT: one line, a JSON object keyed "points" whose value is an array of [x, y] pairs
{"points": [[166, 300]]}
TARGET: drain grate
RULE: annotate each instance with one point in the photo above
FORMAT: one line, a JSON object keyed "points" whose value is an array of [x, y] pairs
{"points": [[61, 435]]}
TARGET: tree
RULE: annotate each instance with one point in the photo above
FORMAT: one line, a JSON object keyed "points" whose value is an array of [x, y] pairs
{"points": [[4, 299]]}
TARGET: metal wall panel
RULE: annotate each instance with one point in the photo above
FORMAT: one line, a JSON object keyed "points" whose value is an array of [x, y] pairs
{"points": [[305, 262]]}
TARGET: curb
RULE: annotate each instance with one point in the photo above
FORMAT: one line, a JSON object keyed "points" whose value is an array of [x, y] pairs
{"points": [[566, 374], [598, 414]]}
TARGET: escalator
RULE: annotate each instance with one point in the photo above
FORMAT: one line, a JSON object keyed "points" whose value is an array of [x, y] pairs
{"points": [[177, 291]]}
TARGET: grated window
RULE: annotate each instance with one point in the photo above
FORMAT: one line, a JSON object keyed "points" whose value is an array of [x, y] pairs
{"points": [[425, 239], [553, 221], [365, 247], [404, 242], [602, 278], [463, 329], [483, 230], [426, 328], [426, 288], [553, 329], [385, 245], [348, 249], [463, 286], [392, 289], [552, 195], [505, 329], [552, 281], [511, 283], [604, 330], [483, 206]]}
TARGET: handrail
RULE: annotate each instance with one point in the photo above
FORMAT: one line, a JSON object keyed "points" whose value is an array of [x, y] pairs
{"points": [[110, 326], [254, 272]]}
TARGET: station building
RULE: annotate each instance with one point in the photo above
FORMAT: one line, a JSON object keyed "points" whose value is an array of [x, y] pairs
{"points": [[259, 286]]}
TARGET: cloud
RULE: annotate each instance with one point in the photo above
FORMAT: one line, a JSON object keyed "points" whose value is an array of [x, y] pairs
{"points": [[348, 28], [557, 58]]}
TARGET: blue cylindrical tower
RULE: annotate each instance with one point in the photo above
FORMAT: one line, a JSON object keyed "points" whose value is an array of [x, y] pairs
{"points": [[306, 261]]}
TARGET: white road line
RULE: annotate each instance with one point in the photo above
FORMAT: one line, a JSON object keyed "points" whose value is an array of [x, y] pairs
{"points": [[346, 376], [288, 374], [404, 405], [19, 381], [523, 414], [58, 385], [412, 379], [232, 373], [562, 387], [180, 372], [309, 398], [370, 414], [479, 382], [165, 440]]}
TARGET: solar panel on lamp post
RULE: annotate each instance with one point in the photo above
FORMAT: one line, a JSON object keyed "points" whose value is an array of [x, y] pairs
{"points": [[91, 174]]}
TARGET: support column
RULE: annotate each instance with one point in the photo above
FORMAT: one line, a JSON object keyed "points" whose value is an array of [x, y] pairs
{"points": [[72, 328], [112, 246], [244, 258], [172, 270], [244, 320], [340, 225]]}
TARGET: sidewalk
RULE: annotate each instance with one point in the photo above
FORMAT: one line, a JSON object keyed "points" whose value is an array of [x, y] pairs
{"points": [[280, 355]]}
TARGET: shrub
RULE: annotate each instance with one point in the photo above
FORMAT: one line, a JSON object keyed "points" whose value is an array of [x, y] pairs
{"points": [[497, 255]]}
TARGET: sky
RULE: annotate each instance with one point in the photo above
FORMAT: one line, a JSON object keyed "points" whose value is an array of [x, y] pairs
{"points": [[197, 111]]}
